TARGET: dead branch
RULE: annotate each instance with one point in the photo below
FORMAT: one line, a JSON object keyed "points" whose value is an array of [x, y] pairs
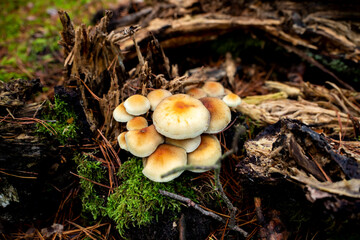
{"points": [[190, 203]]}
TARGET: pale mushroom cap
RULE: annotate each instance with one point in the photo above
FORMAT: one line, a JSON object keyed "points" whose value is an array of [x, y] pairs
{"points": [[206, 154], [121, 141], [196, 93], [136, 123], [164, 159], [137, 105], [143, 142], [120, 114], [189, 144], [214, 89], [232, 100], [220, 114], [156, 96], [181, 116]]}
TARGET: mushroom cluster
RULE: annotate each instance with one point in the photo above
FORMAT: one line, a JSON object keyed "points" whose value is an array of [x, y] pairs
{"points": [[182, 128]]}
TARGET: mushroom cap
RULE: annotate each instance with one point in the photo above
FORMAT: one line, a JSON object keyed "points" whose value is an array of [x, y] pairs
{"points": [[143, 142], [156, 96], [227, 91], [136, 123], [232, 100], [214, 89], [137, 104], [220, 114], [196, 93], [189, 144], [164, 159], [122, 141], [181, 116], [206, 154], [121, 115]]}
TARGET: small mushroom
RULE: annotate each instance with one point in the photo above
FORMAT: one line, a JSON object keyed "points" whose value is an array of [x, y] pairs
{"points": [[164, 159], [143, 142], [136, 123], [206, 154], [181, 116], [189, 144], [196, 93], [121, 115], [220, 114], [214, 89], [137, 105], [232, 100], [122, 141], [156, 96]]}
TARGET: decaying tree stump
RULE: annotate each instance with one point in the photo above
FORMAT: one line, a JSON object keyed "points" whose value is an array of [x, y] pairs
{"points": [[96, 62]]}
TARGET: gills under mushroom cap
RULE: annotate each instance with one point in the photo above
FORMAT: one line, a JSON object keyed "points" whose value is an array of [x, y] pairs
{"points": [[181, 116], [206, 154], [143, 142], [164, 159]]}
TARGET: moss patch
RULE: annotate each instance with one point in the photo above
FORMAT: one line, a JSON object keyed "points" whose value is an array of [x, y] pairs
{"points": [[137, 201], [62, 118]]}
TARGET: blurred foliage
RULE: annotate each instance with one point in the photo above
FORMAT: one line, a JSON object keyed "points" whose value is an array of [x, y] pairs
{"points": [[29, 33]]}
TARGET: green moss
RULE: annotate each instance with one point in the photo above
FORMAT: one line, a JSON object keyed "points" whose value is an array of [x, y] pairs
{"points": [[341, 67], [137, 201], [91, 200], [62, 118]]}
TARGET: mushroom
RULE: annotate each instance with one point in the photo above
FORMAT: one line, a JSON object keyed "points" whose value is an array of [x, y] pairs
{"points": [[121, 115], [220, 114], [232, 100], [156, 96], [206, 154], [136, 123], [143, 142], [189, 144], [164, 159], [227, 91], [137, 105], [214, 89], [196, 93], [121, 141], [181, 116]]}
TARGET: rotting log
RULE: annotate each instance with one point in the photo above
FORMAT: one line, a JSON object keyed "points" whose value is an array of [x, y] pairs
{"points": [[29, 163], [322, 33]]}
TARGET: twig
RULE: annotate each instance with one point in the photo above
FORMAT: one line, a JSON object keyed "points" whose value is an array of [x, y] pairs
{"points": [[182, 228], [13, 175], [87, 179], [190, 203], [111, 148]]}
